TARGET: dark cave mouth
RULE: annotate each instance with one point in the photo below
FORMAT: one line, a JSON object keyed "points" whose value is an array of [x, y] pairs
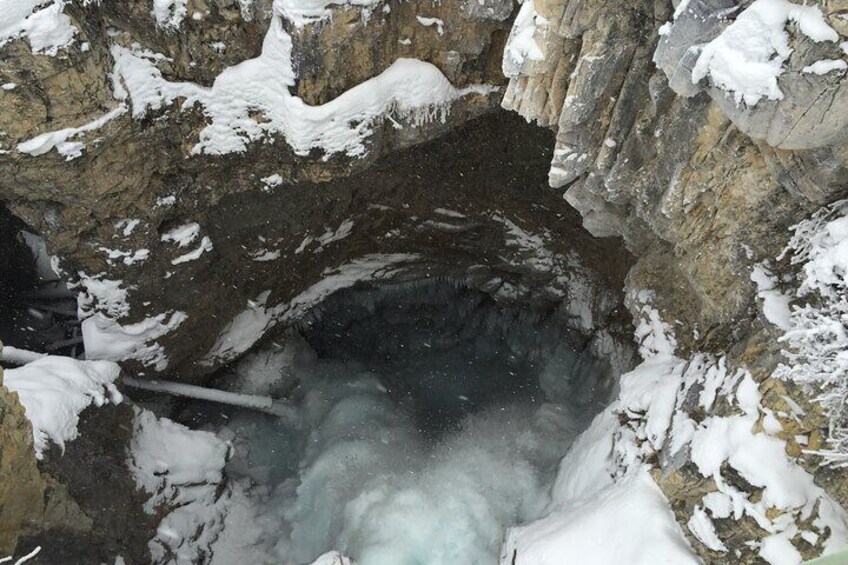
{"points": [[444, 351], [447, 403], [425, 399], [37, 311]]}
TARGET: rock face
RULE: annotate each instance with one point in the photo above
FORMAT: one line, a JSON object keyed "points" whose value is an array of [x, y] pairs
{"points": [[252, 207], [701, 186], [104, 509], [172, 249], [674, 175], [23, 486], [811, 112]]}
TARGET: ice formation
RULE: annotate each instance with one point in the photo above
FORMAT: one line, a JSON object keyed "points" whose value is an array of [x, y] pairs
{"points": [[367, 476], [182, 470], [816, 336], [372, 488]]}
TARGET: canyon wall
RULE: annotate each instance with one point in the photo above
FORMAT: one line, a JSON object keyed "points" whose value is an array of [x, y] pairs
{"points": [[703, 180]]}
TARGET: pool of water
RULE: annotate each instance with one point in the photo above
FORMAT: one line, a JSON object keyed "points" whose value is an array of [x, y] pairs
{"points": [[430, 421]]}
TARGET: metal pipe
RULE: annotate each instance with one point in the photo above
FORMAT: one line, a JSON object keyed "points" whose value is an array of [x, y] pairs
{"points": [[266, 404], [18, 356]]}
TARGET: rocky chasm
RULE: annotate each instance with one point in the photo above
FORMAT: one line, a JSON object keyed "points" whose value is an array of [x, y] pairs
{"points": [[642, 197]]}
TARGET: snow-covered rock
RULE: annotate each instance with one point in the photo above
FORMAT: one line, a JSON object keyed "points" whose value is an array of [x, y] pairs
{"points": [[55, 390], [182, 472]]}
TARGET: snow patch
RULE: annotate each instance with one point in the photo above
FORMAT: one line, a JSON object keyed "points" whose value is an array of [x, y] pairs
{"points": [[105, 338], [100, 294], [55, 390], [747, 58], [409, 89], [205, 245], [650, 419], [521, 45], [449, 213], [47, 27], [825, 66], [626, 522], [775, 302], [59, 140], [702, 527], [128, 258], [430, 22], [272, 181], [169, 13], [266, 255], [127, 226], [182, 471], [333, 558], [331, 235], [182, 235], [165, 201]]}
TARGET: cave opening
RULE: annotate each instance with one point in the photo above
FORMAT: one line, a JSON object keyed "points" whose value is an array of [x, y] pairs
{"points": [[432, 418], [445, 351], [432, 406]]}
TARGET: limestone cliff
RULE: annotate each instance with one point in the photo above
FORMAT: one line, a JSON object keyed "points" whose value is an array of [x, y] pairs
{"points": [[674, 175], [701, 185]]}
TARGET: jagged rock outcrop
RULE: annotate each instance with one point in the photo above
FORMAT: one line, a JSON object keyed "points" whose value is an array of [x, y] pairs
{"points": [[701, 185], [78, 504], [811, 111], [103, 514], [674, 175]]}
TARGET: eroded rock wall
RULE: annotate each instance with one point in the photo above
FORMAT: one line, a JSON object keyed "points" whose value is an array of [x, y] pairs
{"points": [[669, 169], [77, 504], [172, 241], [701, 184], [136, 177], [22, 486]]}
